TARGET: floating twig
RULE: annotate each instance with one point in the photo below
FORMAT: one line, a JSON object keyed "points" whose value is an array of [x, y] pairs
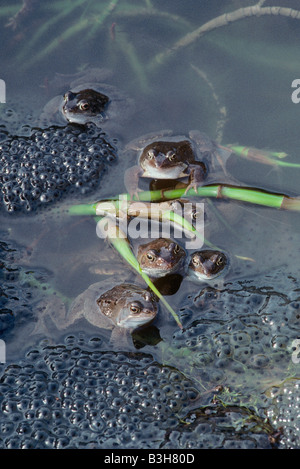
{"points": [[224, 20]]}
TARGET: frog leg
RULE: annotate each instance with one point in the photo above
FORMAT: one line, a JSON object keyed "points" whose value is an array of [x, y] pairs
{"points": [[197, 175], [121, 339], [131, 179], [216, 154], [51, 112], [204, 143], [50, 310]]}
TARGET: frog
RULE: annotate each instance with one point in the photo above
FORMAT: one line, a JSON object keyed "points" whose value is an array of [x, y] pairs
{"points": [[121, 308], [166, 156], [85, 105], [160, 257], [207, 264], [84, 101]]}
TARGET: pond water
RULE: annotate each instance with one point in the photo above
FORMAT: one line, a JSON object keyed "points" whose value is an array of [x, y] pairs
{"points": [[234, 84]]}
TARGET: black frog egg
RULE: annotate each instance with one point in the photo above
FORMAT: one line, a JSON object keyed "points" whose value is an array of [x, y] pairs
{"points": [[43, 167]]}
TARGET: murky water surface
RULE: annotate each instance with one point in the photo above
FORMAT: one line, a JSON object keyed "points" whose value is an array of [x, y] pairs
{"points": [[234, 83]]}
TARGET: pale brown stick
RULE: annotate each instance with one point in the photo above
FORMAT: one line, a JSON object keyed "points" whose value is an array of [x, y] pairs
{"points": [[224, 20]]}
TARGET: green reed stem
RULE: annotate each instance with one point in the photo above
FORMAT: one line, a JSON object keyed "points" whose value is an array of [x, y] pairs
{"points": [[219, 191], [244, 194], [262, 156], [113, 207], [83, 209]]}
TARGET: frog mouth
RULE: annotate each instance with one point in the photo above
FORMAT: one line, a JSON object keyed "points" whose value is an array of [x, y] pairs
{"points": [[79, 117], [202, 276], [164, 173], [163, 270], [133, 322], [206, 275]]}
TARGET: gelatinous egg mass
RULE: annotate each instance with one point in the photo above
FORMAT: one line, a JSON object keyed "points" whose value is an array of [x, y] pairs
{"points": [[41, 168], [74, 396]]}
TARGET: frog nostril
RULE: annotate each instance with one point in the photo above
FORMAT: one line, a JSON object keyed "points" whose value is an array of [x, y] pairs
{"points": [[68, 96], [160, 159]]}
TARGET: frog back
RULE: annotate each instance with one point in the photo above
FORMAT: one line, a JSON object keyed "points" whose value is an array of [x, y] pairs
{"points": [[85, 306]]}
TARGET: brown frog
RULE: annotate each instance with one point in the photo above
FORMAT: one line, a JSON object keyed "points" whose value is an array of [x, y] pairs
{"points": [[86, 105], [206, 265], [160, 257], [87, 100], [165, 156], [122, 308]]}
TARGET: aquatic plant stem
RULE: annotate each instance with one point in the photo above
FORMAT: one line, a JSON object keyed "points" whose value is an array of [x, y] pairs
{"points": [[129, 52], [101, 18], [45, 288], [47, 26], [115, 209], [262, 156], [220, 21], [218, 191], [122, 245], [221, 108], [223, 191], [83, 209], [8, 10]]}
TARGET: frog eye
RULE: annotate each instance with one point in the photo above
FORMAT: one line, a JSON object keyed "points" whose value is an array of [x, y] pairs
{"points": [[135, 308], [195, 214], [176, 248], [171, 155], [151, 154], [220, 261], [196, 261], [150, 256], [84, 105]]}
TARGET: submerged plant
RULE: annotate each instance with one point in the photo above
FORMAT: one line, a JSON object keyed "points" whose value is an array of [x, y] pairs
{"points": [[55, 26], [224, 20]]}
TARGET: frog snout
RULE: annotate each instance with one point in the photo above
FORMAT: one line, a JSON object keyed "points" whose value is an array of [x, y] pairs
{"points": [[160, 160]]}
